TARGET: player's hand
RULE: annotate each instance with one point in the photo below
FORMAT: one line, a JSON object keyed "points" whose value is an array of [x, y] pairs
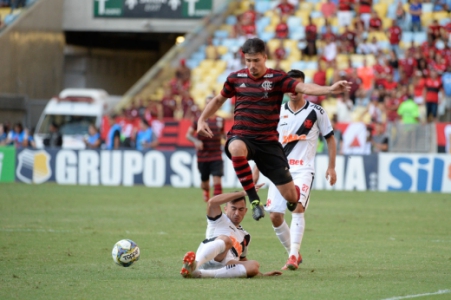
{"points": [[340, 87], [199, 145], [272, 273], [203, 129], [259, 186], [331, 176]]}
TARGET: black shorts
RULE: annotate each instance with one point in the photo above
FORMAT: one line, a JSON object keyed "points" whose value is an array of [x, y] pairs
{"points": [[207, 168], [269, 158], [431, 109]]}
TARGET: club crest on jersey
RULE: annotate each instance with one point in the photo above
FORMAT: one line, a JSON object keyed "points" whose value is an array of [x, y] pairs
{"points": [[308, 124], [267, 85], [241, 75]]}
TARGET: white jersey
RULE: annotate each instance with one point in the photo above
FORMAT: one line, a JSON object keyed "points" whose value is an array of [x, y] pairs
{"points": [[299, 132], [223, 226]]}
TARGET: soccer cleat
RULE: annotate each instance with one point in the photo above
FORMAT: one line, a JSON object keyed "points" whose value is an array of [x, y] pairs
{"points": [[257, 210], [293, 263], [189, 265], [291, 206]]}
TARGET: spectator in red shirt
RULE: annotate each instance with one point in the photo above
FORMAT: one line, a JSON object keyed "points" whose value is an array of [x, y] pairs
{"points": [[349, 35], [311, 34], [328, 34], [282, 29], [169, 105], [328, 9], [433, 86], [408, 64], [285, 7], [356, 82], [319, 77], [389, 84], [375, 23], [247, 27], [280, 52], [250, 14], [345, 12], [394, 36], [365, 12], [434, 30]]}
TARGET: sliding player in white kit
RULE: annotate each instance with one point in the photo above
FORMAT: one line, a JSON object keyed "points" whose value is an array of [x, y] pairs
{"points": [[223, 253], [300, 124]]}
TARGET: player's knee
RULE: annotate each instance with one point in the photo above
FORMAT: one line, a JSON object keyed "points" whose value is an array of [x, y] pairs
{"points": [[227, 241], [276, 219], [280, 176], [237, 148], [290, 195], [205, 185]]}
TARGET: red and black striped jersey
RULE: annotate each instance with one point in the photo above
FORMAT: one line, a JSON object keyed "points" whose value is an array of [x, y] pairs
{"points": [[258, 102], [212, 150]]}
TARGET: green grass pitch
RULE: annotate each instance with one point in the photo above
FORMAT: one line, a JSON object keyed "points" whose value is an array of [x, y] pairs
{"points": [[56, 243]]}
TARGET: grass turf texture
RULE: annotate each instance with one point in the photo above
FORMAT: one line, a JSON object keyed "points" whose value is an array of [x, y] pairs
{"points": [[56, 243]]}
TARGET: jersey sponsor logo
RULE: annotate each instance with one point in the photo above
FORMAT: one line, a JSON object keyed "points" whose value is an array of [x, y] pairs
{"points": [[243, 85], [267, 85], [284, 124], [241, 75], [268, 76], [293, 137], [308, 124], [296, 162]]}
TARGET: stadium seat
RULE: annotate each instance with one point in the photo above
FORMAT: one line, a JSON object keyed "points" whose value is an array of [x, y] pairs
{"points": [[427, 7], [420, 37], [407, 37], [297, 34], [267, 35], [298, 65], [231, 20], [293, 22], [445, 21], [262, 6], [381, 9], [439, 15], [222, 34]]}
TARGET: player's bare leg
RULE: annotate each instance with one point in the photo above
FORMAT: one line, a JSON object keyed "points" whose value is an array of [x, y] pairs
{"points": [[205, 186], [238, 151], [291, 193]]}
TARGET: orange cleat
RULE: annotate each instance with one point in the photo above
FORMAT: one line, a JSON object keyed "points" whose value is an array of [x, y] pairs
{"points": [[189, 265]]}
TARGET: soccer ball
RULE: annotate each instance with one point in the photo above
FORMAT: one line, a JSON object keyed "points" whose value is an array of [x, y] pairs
{"points": [[125, 253]]}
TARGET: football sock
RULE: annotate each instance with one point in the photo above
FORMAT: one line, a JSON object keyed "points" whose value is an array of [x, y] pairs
{"points": [[209, 251], [297, 232], [206, 195], [217, 189], [283, 234], [230, 271], [244, 173]]}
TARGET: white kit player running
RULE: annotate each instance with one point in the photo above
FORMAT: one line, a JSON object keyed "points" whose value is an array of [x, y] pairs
{"points": [[300, 125], [223, 253]]}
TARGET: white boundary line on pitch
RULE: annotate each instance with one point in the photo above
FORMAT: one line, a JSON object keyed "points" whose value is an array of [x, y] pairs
{"points": [[440, 292]]}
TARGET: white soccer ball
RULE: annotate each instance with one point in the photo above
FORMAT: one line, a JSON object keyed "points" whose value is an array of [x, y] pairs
{"points": [[125, 253]]}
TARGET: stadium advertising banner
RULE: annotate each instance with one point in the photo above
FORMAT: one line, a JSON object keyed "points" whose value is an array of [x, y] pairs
{"points": [[7, 163], [415, 172], [443, 131], [155, 9], [159, 168]]}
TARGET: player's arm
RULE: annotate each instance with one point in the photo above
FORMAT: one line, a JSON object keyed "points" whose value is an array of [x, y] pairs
{"points": [[319, 90], [190, 137], [212, 107], [331, 175], [214, 204]]}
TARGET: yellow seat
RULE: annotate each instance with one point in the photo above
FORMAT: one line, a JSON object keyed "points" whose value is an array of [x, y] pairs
{"points": [[381, 9], [370, 60], [285, 65], [427, 18], [272, 45], [440, 15]]}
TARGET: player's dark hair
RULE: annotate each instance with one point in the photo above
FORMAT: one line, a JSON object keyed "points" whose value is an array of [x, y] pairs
{"points": [[254, 46], [296, 74], [238, 200]]}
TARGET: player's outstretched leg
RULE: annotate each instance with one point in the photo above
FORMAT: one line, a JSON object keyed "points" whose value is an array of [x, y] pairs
{"points": [[244, 173], [189, 266]]}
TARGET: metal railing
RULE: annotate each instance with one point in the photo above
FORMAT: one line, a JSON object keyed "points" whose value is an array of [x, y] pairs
{"points": [[411, 138]]}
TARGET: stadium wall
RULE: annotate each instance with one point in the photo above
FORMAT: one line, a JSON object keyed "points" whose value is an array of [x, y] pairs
{"points": [[376, 172], [31, 52]]}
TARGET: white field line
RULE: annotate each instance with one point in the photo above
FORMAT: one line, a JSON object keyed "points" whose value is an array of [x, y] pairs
{"points": [[440, 292]]}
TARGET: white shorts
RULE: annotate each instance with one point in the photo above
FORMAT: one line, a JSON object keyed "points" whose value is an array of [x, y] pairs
{"points": [[276, 203]]}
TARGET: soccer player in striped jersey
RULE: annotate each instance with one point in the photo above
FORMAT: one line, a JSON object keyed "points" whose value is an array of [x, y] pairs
{"points": [[259, 93], [223, 253], [209, 154], [300, 125]]}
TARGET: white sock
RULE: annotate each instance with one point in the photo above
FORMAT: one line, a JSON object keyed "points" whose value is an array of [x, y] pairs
{"points": [[209, 251], [283, 234], [297, 232], [230, 271]]}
